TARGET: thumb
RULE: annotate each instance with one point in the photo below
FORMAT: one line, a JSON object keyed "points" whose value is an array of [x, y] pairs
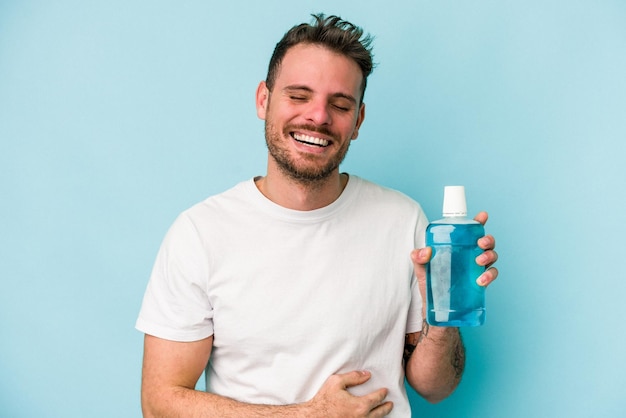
{"points": [[421, 256]]}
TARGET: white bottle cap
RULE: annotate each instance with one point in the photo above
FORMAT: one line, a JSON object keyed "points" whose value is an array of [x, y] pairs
{"points": [[454, 201]]}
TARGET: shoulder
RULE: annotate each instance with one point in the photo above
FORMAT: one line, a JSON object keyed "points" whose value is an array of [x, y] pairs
{"points": [[238, 196], [385, 196], [387, 206], [213, 213]]}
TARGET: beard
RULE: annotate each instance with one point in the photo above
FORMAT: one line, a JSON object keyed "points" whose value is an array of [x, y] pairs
{"points": [[309, 170]]}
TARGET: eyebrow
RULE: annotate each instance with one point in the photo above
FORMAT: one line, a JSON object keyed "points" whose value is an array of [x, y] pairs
{"points": [[297, 87]]}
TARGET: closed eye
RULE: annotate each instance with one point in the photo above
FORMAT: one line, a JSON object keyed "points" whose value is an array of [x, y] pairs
{"points": [[342, 108]]}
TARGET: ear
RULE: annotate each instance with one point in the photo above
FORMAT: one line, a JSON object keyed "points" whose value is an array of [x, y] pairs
{"points": [[262, 100], [359, 121]]}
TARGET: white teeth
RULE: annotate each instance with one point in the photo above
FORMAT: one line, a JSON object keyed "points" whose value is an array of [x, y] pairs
{"points": [[310, 140]]}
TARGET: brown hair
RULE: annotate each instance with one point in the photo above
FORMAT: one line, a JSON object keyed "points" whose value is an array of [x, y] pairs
{"points": [[333, 33]]}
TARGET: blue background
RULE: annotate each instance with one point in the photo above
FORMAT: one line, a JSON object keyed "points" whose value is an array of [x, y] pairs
{"points": [[117, 115]]}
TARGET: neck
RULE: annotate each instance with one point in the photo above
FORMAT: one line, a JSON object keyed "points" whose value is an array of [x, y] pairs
{"points": [[300, 195]]}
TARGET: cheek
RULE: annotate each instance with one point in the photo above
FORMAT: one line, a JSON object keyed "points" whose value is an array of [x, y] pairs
{"points": [[278, 115], [353, 129]]}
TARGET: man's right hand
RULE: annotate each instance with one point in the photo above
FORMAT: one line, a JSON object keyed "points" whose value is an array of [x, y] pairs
{"points": [[171, 370], [334, 400]]}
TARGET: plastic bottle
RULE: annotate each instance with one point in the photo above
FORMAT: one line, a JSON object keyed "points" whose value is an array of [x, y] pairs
{"points": [[454, 299]]}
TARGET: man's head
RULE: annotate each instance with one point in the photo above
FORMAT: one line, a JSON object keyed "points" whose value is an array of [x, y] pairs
{"points": [[312, 100], [332, 33]]}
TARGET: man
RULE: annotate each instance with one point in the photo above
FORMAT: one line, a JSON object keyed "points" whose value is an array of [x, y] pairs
{"points": [[299, 291]]}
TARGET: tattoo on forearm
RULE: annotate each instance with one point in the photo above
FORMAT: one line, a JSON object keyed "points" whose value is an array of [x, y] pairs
{"points": [[410, 342], [424, 333]]}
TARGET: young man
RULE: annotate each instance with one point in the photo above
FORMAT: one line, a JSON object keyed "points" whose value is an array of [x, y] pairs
{"points": [[299, 291]]}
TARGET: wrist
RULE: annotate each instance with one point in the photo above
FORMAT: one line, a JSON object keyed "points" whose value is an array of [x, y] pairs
{"points": [[307, 410], [437, 333]]}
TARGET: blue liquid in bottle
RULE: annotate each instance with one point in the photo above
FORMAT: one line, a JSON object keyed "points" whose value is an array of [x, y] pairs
{"points": [[454, 299]]}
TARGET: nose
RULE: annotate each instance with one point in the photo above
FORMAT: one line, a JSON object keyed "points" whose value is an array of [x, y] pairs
{"points": [[317, 112]]}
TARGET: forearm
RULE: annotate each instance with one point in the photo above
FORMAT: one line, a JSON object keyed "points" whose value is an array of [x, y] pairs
{"points": [[185, 402], [170, 372], [436, 365]]}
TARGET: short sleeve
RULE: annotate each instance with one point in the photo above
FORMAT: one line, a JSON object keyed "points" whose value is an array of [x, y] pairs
{"points": [[415, 317], [176, 305]]}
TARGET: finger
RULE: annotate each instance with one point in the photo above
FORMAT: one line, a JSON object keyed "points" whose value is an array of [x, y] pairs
{"points": [[488, 242], [487, 277], [481, 217], [421, 256], [354, 378], [376, 398], [381, 410], [487, 258]]}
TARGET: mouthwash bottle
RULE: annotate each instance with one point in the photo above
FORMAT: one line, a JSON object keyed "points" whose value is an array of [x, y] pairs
{"points": [[454, 299]]}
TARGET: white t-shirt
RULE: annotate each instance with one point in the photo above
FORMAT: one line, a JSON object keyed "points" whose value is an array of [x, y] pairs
{"points": [[292, 297]]}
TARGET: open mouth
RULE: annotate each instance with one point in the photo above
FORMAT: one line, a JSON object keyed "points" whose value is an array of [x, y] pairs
{"points": [[310, 140]]}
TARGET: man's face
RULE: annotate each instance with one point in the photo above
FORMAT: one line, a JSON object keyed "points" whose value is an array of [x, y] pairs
{"points": [[312, 113]]}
